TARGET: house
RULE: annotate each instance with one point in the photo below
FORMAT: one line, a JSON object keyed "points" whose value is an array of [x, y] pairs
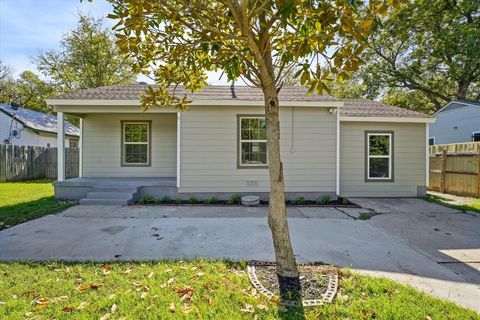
{"points": [[349, 148], [23, 126], [458, 121]]}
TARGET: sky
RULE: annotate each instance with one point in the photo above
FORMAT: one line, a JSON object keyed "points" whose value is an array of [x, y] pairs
{"points": [[28, 27]]}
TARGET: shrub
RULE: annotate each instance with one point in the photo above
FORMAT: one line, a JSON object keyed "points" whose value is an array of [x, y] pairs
{"points": [[192, 200], [299, 201], [178, 200], [211, 200], [344, 200], [146, 200], [165, 199], [324, 200], [234, 199]]}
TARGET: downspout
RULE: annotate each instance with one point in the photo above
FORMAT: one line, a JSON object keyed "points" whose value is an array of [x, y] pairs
{"points": [[337, 173], [179, 118], [427, 155]]}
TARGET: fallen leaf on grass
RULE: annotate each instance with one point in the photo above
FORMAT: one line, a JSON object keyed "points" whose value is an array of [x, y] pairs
{"points": [[185, 294], [30, 293], [82, 305], [150, 274], [185, 310], [143, 295], [172, 307], [170, 280], [114, 308], [262, 307], [69, 309], [427, 317], [39, 307], [248, 308], [84, 287], [201, 274], [105, 316], [2, 303], [106, 268], [42, 301], [128, 270]]}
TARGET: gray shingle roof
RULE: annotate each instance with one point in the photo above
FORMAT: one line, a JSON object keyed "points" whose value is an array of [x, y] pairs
{"points": [[352, 107], [38, 121]]}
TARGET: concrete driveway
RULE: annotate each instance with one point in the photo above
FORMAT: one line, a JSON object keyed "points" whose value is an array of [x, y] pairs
{"points": [[431, 247]]}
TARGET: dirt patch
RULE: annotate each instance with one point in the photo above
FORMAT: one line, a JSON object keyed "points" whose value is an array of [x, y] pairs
{"points": [[315, 280]]}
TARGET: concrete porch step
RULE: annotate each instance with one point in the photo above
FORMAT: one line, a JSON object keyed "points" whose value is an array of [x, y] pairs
{"points": [[114, 189], [96, 201], [109, 195]]}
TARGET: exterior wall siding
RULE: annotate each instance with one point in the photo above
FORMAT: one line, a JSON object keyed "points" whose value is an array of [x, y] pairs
{"points": [[102, 146], [465, 119], [209, 151], [408, 160]]}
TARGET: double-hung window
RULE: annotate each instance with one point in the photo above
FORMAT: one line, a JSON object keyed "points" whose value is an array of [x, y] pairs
{"points": [[379, 156], [136, 143], [252, 141], [476, 136]]}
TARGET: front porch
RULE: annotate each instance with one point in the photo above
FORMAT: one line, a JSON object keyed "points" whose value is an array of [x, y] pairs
{"points": [[113, 190]]}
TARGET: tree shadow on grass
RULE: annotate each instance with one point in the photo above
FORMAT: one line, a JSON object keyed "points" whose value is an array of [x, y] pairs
{"points": [[25, 211], [291, 297]]}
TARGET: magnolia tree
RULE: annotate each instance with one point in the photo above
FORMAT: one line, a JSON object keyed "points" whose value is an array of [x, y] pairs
{"points": [[261, 41]]}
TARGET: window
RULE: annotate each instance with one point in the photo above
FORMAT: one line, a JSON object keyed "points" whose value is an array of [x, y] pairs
{"points": [[252, 141], [73, 143], [476, 136], [431, 141], [135, 143], [379, 156]]}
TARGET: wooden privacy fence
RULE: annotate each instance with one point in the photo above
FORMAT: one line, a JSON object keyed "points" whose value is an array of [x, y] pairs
{"points": [[455, 168], [18, 163]]}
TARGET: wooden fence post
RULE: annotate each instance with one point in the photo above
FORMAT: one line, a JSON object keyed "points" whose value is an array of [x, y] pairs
{"points": [[443, 169]]}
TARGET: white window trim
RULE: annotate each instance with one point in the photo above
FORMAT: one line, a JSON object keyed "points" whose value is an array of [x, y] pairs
{"points": [[473, 133], [124, 143], [240, 141], [377, 156]]}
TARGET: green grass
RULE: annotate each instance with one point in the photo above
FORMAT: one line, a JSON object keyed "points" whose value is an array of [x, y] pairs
{"points": [[24, 201], [220, 290], [473, 203]]}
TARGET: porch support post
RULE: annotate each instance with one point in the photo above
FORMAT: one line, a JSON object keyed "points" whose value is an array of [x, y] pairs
{"points": [[80, 150], [337, 155], [427, 154], [179, 123], [60, 146]]}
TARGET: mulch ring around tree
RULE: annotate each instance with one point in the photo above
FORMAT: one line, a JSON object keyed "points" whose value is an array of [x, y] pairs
{"points": [[319, 282]]}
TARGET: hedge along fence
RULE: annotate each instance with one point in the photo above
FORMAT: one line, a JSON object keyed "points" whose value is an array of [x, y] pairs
{"points": [[455, 168], [19, 163]]}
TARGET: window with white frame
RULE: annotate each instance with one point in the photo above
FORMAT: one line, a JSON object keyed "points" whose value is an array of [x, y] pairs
{"points": [[476, 136], [252, 141], [379, 156], [135, 143]]}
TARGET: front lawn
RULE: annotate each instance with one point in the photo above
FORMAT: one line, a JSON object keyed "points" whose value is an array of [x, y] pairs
{"points": [[23, 201], [191, 290]]}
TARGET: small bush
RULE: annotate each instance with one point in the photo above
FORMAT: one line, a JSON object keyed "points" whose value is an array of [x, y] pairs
{"points": [[234, 199], [178, 200], [165, 199], [364, 216], [211, 200], [299, 201], [324, 200], [344, 200], [146, 200], [192, 200]]}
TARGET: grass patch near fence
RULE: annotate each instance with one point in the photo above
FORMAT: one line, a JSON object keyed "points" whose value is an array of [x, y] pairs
{"points": [[472, 204], [24, 201], [196, 289]]}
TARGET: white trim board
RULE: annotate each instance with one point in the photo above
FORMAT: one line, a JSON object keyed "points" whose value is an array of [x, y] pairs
{"points": [[387, 119]]}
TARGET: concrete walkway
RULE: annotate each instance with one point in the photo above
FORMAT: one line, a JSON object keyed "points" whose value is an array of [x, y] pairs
{"points": [[400, 243]]}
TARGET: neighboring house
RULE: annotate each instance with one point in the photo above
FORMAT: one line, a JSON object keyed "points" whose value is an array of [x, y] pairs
{"points": [[457, 121], [218, 147], [32, 128]]}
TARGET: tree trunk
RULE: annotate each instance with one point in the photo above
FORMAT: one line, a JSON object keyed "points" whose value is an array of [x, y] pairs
{"points": [[462, 90], [277, 216]]}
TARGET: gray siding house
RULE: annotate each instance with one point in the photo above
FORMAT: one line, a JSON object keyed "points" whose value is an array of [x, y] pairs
{"points": [[457, 121], [218, 147]]}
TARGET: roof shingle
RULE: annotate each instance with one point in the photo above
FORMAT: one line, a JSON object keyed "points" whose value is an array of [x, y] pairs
{"points": [[352, 107]]}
